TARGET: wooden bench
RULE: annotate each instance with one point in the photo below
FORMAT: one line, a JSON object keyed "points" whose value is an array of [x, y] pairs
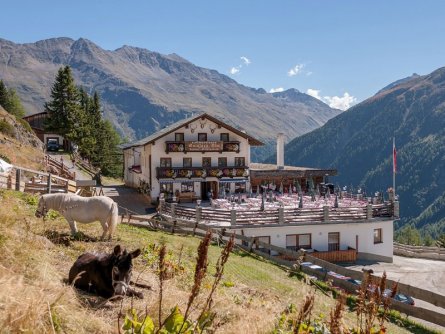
{"points": [[189, 196]]}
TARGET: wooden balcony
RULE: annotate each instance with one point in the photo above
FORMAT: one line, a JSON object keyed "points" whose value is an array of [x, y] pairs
{"points": [[349, 255], [202, 146], [201, 172]]}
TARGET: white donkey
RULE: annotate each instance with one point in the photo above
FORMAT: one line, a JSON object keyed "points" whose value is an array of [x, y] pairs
{"points": [[81, 209]]}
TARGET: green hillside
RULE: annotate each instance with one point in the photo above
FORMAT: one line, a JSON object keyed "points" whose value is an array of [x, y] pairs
{"points": [[37, 256], [358, 143]]}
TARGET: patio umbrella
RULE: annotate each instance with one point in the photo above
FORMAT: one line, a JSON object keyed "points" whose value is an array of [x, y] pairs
{"points": [[312, 196], [5, 167], [300, 205], [336, 201], [281, 188], [262, 202], [299, 188]]}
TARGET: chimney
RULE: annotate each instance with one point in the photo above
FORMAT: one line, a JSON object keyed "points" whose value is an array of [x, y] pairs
{"points": [[280, 151]]}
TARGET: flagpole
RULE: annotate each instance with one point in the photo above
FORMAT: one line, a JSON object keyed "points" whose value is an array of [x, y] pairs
{"points": [[394, 165]]}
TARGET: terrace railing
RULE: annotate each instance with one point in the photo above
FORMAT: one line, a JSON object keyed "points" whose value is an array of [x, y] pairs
{"points": [[279, 216]]}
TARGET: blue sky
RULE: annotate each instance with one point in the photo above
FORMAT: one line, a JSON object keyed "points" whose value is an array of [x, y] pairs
{"points": [[326, 48]]}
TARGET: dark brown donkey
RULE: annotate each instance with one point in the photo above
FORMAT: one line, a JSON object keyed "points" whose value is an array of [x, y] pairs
{"points": [[107, 275]]}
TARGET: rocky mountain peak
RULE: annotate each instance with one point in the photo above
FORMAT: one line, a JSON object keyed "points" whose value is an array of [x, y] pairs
{"points": [[143, 90]]}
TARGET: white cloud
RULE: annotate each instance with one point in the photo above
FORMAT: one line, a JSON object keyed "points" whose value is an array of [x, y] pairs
{"points": [[308, 73], [342, 103], [295, 70], [245, 60], [314, 93], [339, 102], [276, 90], [234, 70]]}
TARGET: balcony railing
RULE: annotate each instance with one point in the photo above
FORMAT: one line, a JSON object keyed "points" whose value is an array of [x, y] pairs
{"points": [[202, 146], [201, 172]]}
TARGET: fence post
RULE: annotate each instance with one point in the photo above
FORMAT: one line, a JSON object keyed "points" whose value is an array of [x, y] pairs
{"points": [[173, 207], [161, 205], [17, 179], [325, 213], [49, 183], [232, 217], [197, 217], [369, 211], [281, 215], [396, 209], [9, 182]]}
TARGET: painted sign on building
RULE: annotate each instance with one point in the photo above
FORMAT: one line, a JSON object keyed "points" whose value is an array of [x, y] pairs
{"points": [[207, 146]]}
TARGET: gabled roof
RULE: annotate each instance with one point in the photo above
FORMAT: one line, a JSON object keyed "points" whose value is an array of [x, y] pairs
{"points": [[176, 126]]}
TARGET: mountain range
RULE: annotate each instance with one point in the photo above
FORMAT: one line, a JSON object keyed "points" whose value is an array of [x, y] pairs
{"points": [[359, 142], [143, 91]]}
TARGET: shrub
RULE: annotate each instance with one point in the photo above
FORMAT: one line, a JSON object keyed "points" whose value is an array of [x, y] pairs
{"points": [[6, 128], [25, 124], [4, 157]]}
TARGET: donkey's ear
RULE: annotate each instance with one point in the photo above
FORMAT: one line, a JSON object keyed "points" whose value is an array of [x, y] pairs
{"points": [[135, 253], [117, 250]]}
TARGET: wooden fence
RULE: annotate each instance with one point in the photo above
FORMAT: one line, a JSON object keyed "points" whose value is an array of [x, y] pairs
{"points": [[279, 216], [32, 181], [288, 258], [421, 252], [58, 167]]}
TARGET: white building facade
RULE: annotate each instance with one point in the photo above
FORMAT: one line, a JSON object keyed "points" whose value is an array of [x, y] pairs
{"points": [[371, 240], [195, 158]]}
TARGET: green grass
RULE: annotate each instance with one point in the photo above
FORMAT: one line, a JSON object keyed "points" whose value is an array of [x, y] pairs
{"points": [[253, 291]]}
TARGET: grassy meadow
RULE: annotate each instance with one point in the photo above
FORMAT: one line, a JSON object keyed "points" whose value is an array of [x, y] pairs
{"points": [[37, 255]]}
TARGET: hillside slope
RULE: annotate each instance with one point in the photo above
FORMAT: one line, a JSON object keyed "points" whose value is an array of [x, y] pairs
{"points": [[18, 143], [359, 144], [37, 256], [143, 91]]}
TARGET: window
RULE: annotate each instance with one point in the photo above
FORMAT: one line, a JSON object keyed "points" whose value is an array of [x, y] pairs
{"points": [[222, 162], [265, 239], [202, 136], [240, 187], [225, 186], [179, 136], [186, 162], [224, 137], [334, 241], [378, 236], [166, 162], [187, 187], [240, 161], [298, 241], [167, 188], [206, 162]]}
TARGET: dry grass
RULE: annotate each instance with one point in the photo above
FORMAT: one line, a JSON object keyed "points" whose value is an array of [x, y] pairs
{"points": [[250, 298], [18, 153]]}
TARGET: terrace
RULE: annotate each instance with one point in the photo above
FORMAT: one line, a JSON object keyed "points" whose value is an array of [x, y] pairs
{"points": [[243, 211]]}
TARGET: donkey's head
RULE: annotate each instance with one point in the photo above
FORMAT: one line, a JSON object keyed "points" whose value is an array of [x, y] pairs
{"points": [[42, 210], [122, 266]]}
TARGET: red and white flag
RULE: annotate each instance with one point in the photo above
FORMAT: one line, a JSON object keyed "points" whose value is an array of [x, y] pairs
{"points": [[394, 156]]}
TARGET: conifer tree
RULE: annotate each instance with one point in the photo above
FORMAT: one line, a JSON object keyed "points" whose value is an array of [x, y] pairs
{"points": [[3, 94], [10, 101], [65, 112]]}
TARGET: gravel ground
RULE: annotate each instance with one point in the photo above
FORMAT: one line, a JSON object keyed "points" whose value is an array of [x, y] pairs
{"points": [[425, 274], [421, 273]]}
